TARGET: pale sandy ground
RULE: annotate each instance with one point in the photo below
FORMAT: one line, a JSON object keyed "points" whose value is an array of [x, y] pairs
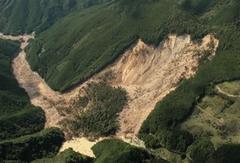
{"points": [[147, 73], [81, 145]]}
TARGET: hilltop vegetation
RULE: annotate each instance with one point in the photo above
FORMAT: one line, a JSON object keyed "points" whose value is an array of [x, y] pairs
{"points": [[84, 42]]}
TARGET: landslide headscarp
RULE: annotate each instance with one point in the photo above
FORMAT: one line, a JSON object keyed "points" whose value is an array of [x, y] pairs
{"points": [[149, 73]]}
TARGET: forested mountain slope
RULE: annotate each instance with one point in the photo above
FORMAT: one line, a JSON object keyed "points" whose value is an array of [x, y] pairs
{"points": [[26, 16], [84, 42]]}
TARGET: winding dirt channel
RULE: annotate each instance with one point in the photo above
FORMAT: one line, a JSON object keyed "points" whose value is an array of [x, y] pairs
{"points": [[39, 92], [147, 73], [43, 96]]}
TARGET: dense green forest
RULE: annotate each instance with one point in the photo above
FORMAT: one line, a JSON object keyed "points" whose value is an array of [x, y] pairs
{"points": [[111, 151], [26, 16], [28, 148]]}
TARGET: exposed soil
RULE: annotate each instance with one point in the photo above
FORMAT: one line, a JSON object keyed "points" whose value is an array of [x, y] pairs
{"points": [[150, 73], [81, 145]]}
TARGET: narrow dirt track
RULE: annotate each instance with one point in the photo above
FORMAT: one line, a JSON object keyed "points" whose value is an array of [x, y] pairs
{"points": [[226, 93]]}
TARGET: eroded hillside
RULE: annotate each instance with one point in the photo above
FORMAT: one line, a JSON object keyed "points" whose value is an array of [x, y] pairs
{"points": [[147, 73], [150, 73]]}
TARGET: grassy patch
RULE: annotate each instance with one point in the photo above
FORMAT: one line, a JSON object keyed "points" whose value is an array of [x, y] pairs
{"points": [[215, 117], [231, 87]]}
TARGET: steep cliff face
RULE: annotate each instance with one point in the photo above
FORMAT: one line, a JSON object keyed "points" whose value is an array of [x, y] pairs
{"points": [[150, 73]]}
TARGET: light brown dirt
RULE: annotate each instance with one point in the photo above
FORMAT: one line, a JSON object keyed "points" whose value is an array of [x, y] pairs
{"points": [[81, 145], [39, 92]]}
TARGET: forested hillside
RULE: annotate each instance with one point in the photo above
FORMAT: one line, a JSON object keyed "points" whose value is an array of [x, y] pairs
{"points": [[26, 16], [84, 42]]}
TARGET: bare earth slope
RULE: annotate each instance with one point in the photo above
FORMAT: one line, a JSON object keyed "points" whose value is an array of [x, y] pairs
{"points": [[149, 74]]}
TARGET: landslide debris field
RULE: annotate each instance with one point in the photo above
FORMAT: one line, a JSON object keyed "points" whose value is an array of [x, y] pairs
{"points": [[121, 74], [147, 74]]}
